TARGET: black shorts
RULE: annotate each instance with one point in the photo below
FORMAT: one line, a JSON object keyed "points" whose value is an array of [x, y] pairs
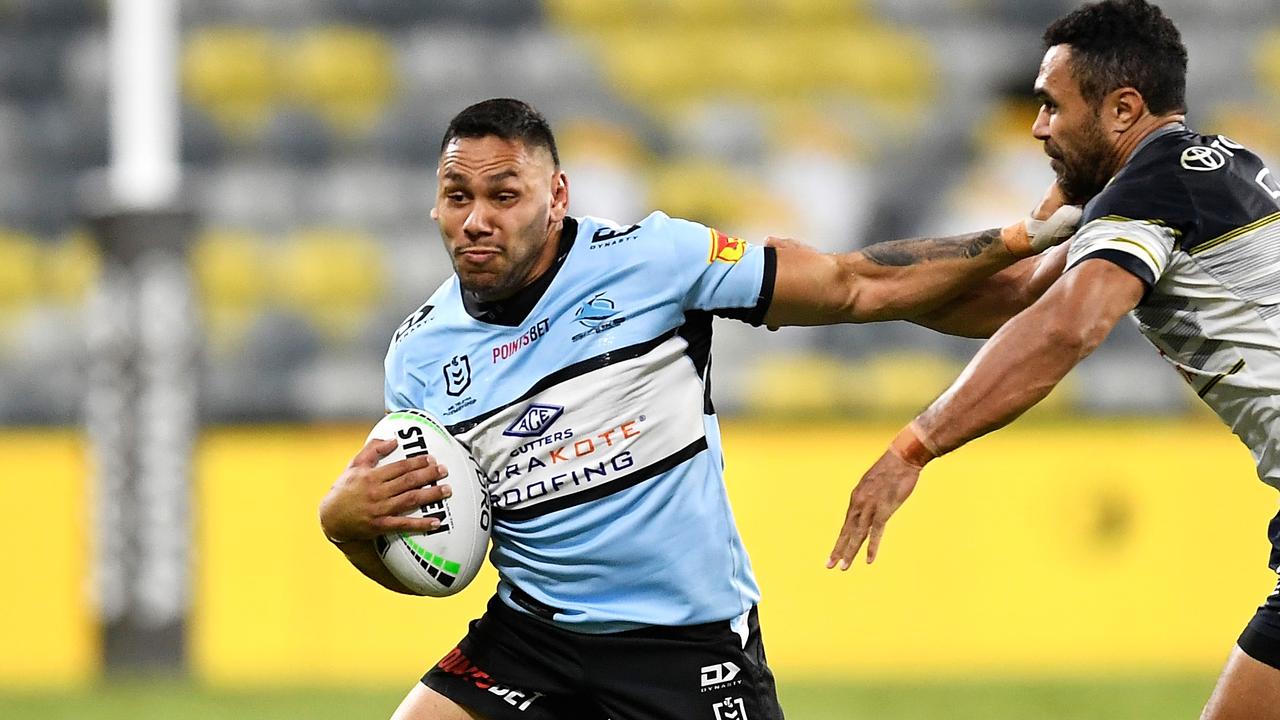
{"points": [[512, 665], [1261, 637]]}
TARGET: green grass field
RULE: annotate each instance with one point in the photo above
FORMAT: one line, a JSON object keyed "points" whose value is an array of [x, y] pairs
{"points": [[1163, 698]]}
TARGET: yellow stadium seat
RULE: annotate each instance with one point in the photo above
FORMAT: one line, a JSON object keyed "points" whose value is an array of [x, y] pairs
{"points": [[1267, 60], [19, 268], [815, 12], [706, 192], [1250, 125], [335, 278], [70, 268], [590, 14], [706, 13], [344, 74], [600, 141], [653, 67], [229, 268], [231, 73]]}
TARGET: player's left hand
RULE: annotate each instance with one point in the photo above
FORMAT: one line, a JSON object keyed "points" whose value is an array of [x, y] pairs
{"points": [[879, 493]]}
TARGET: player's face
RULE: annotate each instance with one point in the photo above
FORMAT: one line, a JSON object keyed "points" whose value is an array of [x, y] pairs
{"points": [[498, 205], [1071, 129]]}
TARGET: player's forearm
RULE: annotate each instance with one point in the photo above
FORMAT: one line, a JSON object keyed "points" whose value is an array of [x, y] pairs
{"points": [[364, 556], [905, 279], [984, 308], [1016, 369]]}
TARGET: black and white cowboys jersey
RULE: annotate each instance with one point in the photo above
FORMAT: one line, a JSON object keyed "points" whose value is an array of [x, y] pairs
{"points": [[1197, 219]]}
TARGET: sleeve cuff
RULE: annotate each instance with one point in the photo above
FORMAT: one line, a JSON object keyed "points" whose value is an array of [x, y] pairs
{"points": [[1136, 267], [754, 315]]}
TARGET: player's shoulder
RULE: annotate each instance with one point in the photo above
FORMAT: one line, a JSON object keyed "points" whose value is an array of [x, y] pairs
{"points": [[1151, 186], [438, 306], [604, 234], [1198, 184]]}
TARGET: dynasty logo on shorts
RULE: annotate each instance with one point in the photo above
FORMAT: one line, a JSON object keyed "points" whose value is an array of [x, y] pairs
{"points": [[719, 676]]}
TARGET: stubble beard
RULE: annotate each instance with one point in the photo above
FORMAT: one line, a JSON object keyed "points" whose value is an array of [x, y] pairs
{"points": [[1083, 173], [515, 272]]}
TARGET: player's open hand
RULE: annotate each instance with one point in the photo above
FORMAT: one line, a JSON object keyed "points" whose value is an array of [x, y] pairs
{"points": [[879, 493], [366, 501]]}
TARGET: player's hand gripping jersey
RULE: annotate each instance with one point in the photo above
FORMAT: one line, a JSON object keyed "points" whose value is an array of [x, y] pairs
{"points": [[1197, 219], [586, 399]]}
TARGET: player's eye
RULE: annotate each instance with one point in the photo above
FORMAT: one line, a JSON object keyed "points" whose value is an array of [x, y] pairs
{"points": [[456, 197], [506, 197]]}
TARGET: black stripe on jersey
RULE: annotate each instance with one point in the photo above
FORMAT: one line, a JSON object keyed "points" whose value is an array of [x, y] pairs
{"points": [[582, 367], [1126, 261], [669, 462], [754, 315], [1218, 378], [696, 331]]}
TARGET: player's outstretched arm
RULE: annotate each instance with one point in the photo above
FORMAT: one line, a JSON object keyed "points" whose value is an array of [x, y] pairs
{"points": [[982, 309], [1017, 368], [908, 279], [367, 501]]}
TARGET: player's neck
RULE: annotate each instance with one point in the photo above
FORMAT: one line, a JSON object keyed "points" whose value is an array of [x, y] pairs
{"points": [[1133, 136]]}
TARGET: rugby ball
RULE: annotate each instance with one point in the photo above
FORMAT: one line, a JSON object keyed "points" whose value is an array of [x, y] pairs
{"points": [[445, 560]]}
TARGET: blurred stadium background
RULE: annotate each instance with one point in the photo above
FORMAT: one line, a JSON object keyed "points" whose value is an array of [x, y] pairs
{"points": [[1095, 561]]}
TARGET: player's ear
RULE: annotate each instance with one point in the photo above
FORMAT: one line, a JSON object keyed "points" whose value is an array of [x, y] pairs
{"points": [[1123, 107], [559, 196], [435, 214]]}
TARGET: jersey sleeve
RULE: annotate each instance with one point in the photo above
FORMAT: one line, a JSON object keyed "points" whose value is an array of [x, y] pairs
{"points": [[1143, 247], [1138, 221], [717, 272], [395, 388]]}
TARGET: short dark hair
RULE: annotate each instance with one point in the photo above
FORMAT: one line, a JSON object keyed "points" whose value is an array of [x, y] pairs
{"points": [[1125, 43], [506, 118]]}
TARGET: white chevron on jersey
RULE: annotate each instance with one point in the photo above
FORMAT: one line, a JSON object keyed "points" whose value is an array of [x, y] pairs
{"points": [[611, 424]]}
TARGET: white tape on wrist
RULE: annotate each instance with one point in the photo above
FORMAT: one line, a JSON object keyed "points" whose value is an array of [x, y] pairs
{"points": [[1062, 224]]}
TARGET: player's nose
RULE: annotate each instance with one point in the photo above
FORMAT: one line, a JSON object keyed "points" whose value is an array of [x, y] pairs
{"points": [[1040, 128], [478, 223]]}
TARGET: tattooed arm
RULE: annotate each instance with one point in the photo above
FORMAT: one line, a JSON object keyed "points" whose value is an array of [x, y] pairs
{"points": [[899, 279]]}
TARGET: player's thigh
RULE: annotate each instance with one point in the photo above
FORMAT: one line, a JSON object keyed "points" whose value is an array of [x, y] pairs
{"points": [[423, 703], [1247, 690]]}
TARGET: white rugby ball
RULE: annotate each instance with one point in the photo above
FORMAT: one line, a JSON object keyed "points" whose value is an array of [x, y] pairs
{"points": [[445, 560]]}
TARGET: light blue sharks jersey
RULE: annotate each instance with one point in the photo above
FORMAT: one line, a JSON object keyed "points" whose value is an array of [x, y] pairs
{"points": [[586, 400]]}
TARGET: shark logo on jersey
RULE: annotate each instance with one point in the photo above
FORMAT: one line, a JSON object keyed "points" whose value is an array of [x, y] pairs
{"points": [[597, 314], [535, 421], [457, 375]]}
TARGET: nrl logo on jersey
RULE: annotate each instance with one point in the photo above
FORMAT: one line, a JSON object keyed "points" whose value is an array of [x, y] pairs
{"points": [[457, 375]]}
